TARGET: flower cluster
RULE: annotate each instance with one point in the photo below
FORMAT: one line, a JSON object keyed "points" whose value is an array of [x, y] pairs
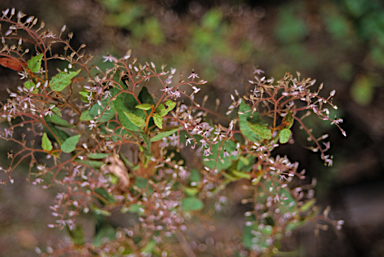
{"points": [[111, 145]]}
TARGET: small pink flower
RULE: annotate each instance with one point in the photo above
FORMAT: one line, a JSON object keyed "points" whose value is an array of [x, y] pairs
{"points": [[193, 75], [109, 58]]}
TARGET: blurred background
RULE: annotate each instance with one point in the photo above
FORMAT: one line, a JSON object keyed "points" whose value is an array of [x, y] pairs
{"points": [[337, 42]]}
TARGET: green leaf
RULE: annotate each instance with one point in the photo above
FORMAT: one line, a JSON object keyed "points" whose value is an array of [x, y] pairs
{"points": [[246, 163], [287, 202], [257, 180], [260, 130], [191, 191], [248, 236], [161, 110], [247, 117], [191, 204], [164, 134], [105, 232], [93, 164], [136, 208], [305, 207], [28, 84], [58, 121], [105, 194], [56, 111], [57, 135], [217, 159], [229, 178], [98, 155], [69, 145], [46, 143], [76, 234], [295, 224], [62, 80], [84, 96], [241, 174], [144, 106], [158, 120], [85, 116], [99, 211], [145, 97], [126, 161], [244, 160], [108, 113], [284, 135], [34, 64], [147, 141], [136, 120], [149, 247], [171, 104], [195, 176], [126, 102], [143, 183], [288, 120], [263, 236]]}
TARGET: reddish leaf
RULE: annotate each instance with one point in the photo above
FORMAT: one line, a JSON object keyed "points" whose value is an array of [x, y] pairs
{"points": [[12, 63]]}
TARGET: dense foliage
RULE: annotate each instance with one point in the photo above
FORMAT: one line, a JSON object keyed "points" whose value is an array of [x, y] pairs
{"points": [[126, 138]]}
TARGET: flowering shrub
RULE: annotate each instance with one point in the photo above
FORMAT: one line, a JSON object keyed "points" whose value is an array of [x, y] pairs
{"points": [[109, 144]]}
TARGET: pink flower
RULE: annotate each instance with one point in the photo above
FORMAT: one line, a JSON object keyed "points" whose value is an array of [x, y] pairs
{"points": [[193, 75]]}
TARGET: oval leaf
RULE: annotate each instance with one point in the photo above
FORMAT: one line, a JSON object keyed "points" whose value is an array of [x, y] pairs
{"points": [[57, 135], [98, 155], [34, 64], [246, 116], [158, 120], [161, 110], [46, 143], [164, 134], [62, 80], [305, 207], [138, 121], [58, 121], [99, 211], [28, 84], [85, 116], [12, 63], [191, 204], [93, 164], [126, 103], [171, 104], [107, 111], [260, 130], [284, 135], [69, 145], [221, 157], [144, 106]]}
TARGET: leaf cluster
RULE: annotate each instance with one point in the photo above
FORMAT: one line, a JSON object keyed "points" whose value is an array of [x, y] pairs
{"points": [[116, 145]]}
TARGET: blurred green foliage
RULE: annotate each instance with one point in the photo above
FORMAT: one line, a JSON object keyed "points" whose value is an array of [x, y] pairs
{"points": [[290, 27], [203, 41], [353, 26], [362, 89]]}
